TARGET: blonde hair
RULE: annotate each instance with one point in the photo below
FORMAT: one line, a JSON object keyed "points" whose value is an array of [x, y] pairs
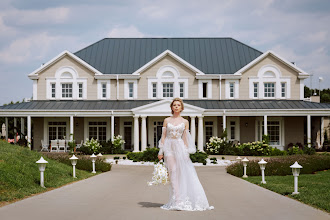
{"points": [[178, 100]]}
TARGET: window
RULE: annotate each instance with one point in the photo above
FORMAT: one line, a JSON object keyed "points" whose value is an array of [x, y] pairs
{"points": [[283, 90], [104, 90], [167, 89], [204, 90], [66, 90], [232, 130], [269, 90], [56, 130], [273, 129], [80, 88], [53, 90], [97, 130], [130, 90], [181, 90], [231, 90], [208, 130], [255, 90], [154, 90]]}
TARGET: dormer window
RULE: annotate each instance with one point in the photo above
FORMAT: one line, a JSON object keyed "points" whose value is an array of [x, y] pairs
{"points": [[53, 85], [167, 89], [67, 90], [269, 90]]}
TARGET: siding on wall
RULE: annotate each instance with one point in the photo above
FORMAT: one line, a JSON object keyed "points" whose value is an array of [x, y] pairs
{"points": [[38, 132], [247, 133], [82, 72], [78, 130], [294, 130], [285, 70]]}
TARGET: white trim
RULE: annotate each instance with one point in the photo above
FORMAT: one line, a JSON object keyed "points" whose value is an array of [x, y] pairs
{"points": [[46, 127], [214, 127], [126, 88], [281, 132], [236, 89], [58, 57], [220, 87], [62, 77], [173, 55], [35, 89], [209, 88], [216, 76], [114, 76], [237, 127], [301, 73], [302, 89], [99, 89], [160, 78]]}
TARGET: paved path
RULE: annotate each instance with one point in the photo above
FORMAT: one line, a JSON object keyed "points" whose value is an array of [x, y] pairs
{"points": [[123, 194]]}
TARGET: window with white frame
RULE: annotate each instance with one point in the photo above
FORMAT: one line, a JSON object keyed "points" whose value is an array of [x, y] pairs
{"points": [[255, 90], [53, 85], [67, 90], [181, 90], [269, 90], [56, 130], [104, 90], [283, 90], [273, 130], [154, 90], [130, 90], [204, 90], [167, 89], [231, 90], [80, 88], [232, 130], [97, 130], [208, 130]]}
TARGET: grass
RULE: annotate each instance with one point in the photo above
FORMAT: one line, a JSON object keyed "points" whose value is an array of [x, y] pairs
{"points": [[20, 176], [313, 188]]}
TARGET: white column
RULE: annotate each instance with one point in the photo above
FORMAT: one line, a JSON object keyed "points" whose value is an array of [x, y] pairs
{"points": [[71, 128], [193, 128], [265, 125], [309, 134], [136, 134], [6, 123], [220, 87], [112, 127], [22, 127], [15, 130], [144, 133], [29, 131], [200, 134], [224, 125], [322, 131]]}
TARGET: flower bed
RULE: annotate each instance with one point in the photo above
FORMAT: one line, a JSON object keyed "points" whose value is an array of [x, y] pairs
{"points": [[280, 166]]}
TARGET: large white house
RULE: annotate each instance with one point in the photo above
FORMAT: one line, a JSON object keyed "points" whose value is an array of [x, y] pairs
{"points": [[125, 86]]}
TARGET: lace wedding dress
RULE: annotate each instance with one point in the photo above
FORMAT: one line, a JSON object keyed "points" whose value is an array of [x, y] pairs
{"points": [[185, 190]]}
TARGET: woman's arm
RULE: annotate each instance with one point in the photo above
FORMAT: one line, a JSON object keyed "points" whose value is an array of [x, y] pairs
{"points": [[162, 140]]}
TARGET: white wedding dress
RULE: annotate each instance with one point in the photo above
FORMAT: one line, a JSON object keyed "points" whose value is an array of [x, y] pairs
{"points": [[185, 190]]}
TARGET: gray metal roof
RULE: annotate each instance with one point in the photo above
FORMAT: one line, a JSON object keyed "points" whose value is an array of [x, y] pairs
{"points": [[210, 55], [129, 104]]}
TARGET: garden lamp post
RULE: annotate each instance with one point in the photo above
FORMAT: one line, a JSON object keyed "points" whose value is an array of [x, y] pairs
{"points": [[262, 165], [245, 160], [42, 166], [99, 155], [295, 171], [238, 159], [93, 161], [74, 160]]}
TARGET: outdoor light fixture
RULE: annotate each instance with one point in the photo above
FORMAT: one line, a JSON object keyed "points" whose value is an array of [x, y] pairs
{"points": [[238, 159], [262, 165], [93, 161], [74, 163], [245, 160], [99, 155], [42, 166], [295, 171]]}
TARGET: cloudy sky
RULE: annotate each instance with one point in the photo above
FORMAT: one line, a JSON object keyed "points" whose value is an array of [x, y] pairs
{"points": [[34, 31]]}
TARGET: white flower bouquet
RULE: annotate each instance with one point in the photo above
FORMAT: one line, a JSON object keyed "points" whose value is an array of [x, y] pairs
{"points": [[160, 175]]}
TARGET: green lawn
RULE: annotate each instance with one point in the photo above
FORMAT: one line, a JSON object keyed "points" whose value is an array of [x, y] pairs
{"points": [[314, 189], [20, 176]]}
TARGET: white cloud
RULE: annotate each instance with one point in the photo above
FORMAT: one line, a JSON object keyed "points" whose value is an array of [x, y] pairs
{"points": [[130, 31], [34, 17]]}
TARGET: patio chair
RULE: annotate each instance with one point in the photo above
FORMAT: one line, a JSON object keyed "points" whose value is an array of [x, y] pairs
{"points": [[44, 146], [61, 145], [54, 146], [80, 145]]}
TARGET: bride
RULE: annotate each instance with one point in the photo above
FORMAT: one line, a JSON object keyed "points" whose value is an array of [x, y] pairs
{"points": [[185, 190]]}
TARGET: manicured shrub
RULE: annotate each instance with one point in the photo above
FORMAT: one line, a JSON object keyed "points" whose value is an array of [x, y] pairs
{"points": [[199, 157], [84, 162], [280, 166]]}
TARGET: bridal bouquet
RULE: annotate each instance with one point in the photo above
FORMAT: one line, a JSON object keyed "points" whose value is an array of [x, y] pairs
{"points": [[160, 175]]}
